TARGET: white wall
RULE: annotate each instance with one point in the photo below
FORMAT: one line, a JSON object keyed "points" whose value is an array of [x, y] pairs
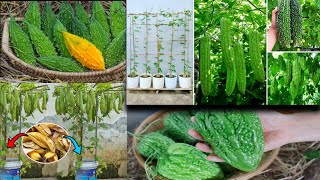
{"points": [[141, 6]]}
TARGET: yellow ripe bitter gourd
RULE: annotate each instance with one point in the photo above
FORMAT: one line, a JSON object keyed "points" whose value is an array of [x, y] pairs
{"points": [[84, 51]]}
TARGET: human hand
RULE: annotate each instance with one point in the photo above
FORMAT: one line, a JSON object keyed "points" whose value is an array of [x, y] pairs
{"points": [[272, 33], [279, 129]]}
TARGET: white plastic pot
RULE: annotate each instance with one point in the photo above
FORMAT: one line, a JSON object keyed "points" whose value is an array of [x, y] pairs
{"points": [[145, 82], [184, 82], [158, 83], [133, 82], [171, 83]]}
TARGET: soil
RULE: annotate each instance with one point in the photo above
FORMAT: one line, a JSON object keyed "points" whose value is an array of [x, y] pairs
{"points": [[187, 76], [158, 76], [145, 76], [133, 75], [172, 76]]}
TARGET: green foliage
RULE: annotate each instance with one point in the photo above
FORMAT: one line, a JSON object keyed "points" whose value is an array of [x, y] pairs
{"points": [[241, 146], [21, 43], [301, 87], [245, 15], [63, 64], [183, 161]]}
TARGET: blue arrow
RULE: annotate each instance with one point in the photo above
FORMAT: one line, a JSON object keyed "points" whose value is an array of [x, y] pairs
{"points": [[77, 148]]}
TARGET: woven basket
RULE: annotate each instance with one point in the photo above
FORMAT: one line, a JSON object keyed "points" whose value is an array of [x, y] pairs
{"points": [[143, 128], [114, 74]]}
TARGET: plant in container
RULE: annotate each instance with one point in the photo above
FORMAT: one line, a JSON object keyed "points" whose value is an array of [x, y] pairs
{"points": [[13, 99], [158, 78], [85, 103], [171, 77], [185, 76], [133, 77], [145, 78]]}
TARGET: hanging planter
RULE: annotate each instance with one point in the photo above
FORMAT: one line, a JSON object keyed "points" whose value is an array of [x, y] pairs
{"points": [[133, 81], [184, 81], [171, 81], [87, 170], [11, 169], [158, 81], [145, 81]]}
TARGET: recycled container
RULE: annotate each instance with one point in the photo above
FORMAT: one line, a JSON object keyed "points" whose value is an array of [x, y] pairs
{"points": [[87, 170], [11, 170]]}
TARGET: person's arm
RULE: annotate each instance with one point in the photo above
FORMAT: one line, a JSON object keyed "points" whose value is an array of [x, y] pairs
{"points": [[272, 33]]}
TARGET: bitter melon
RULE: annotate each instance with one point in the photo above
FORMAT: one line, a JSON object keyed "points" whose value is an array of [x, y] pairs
{"points": [[84, 51], [283, 21], [205, 65], [58, 30], [152, 145], [116, 51], [80, 29], [234, 136], [117, 18], [98, 35], [183, 161], [231, 74], [296, 72], [293, 90], [65, 15], [255, 56], [81, 14], [20, 42], [288, 75], [302, 63], [58, 63], [48, 20], [98, 12], [240, 67], [41, 42], [226, 42], [177, 126], [32, 15], [296, 22]]}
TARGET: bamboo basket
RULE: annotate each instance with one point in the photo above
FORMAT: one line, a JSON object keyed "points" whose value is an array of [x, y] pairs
{"points": [[113, 74], [146, 127]]}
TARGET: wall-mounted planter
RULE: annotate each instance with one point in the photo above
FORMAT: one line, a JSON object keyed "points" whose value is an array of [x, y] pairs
{"points": [[184, 82], [133, 82], [171, 83], [145, 81], [158, 82], [11, 169], [88, 170]]}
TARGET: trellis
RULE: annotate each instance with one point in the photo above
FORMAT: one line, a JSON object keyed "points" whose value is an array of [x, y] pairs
{"points": [[178, 20]]}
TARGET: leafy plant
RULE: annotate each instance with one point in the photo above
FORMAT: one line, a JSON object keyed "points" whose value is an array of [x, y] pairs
{"points": [[293, 79], [87, 105], [245, 15]]}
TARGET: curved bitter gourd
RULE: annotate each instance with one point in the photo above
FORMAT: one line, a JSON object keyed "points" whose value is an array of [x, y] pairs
{"points": [[58, 38], [296, 22], [32, 14], [183, 161], [205, 65], [231, 74], [177, 126], [66, 14], [48, 20], [226, 40], [235, 136], [283, 21], [117, 18], [152, 145]]}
